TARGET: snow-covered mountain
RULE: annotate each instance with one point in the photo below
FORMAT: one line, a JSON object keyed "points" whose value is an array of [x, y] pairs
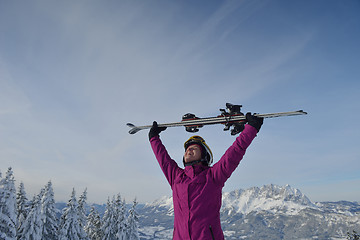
{"points": [[267, 198], [268, 212]]}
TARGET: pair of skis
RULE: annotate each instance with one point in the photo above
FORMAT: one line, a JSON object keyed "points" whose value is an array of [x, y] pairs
{"points": [[232, 117]]}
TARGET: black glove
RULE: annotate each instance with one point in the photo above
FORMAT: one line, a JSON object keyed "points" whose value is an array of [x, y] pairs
{"points": [[155, 130], [254, 121]]}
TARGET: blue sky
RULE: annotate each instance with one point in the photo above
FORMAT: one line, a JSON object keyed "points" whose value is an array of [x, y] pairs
{"points": [[73, 73]]}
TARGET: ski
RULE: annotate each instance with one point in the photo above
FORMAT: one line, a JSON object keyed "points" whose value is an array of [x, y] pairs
{"points": [[230, 118]]}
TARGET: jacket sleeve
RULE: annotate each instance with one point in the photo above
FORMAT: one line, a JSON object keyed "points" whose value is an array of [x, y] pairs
{"points": [[167, 165], [223, 169]]}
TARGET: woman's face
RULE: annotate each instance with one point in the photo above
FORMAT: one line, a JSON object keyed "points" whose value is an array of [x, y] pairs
{"points": [[192, 153]]}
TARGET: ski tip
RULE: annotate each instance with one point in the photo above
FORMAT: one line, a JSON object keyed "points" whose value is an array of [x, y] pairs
{"points": [[133, 129], [302, 112]]}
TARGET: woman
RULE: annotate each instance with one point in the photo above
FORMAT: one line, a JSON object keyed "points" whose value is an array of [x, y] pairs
{"points": [[197, 188]]}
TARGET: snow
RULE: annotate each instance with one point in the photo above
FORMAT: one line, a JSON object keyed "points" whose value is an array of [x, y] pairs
{"points": [[156, 232], [8, 211], [270, 198], [229, 233], [164, 201]]}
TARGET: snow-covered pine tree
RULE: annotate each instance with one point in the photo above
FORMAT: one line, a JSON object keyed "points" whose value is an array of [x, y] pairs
{"points": [[69, 224], [31, 229], [120, 218], [48, 214], [81, 209], [353, 236], [22, 204], [8, 211], [132, 223], [93, 225], [109, 222]]}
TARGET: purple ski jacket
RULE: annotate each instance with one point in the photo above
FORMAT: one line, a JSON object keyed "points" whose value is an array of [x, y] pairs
{"points": [[197, 190]]}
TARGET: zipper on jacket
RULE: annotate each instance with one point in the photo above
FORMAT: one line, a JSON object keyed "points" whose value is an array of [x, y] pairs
{"points": [[212, 233]]}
